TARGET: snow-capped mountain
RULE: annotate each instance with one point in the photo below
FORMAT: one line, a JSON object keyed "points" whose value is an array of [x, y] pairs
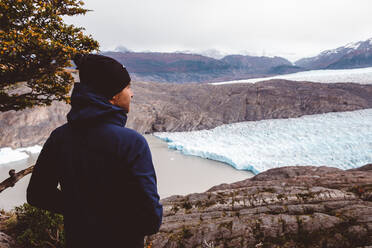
{"points": [[353, 55]]}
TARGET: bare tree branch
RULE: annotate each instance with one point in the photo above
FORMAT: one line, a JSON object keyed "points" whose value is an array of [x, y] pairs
{"points": [[15, 177]]}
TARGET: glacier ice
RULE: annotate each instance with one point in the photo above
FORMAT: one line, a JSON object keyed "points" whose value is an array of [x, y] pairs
{"points": [[8, 155], [31, 149], [342, 140], [361, 76]]}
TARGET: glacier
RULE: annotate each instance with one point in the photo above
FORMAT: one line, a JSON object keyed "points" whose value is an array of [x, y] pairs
{"points": [[9, 155], [361, 76], [342, 140]]}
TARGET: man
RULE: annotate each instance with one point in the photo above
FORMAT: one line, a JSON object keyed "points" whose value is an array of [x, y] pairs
{"points": [[107, 184]]}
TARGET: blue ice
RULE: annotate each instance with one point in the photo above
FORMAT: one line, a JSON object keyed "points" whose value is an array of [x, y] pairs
{"points": [[342, 140]]}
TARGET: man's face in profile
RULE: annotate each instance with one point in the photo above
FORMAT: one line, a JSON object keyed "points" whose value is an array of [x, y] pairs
{"points": [[123, 98]]}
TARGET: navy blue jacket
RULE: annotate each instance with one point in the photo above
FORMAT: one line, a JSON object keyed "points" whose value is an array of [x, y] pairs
{"points": [[108, 193]]}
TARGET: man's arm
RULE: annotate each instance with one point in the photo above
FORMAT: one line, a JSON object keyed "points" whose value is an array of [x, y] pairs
{"points": [[144, 173], [42, 190]]}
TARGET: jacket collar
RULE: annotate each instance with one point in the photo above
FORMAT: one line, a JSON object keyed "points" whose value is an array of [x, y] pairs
{"points": [[88, 107]]}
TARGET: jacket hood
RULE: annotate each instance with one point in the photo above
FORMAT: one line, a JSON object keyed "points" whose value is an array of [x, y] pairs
{"points": [[88, 108]]}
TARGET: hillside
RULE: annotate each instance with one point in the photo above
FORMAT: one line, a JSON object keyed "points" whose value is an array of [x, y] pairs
{"points": [[175, 107], [181, 68]]}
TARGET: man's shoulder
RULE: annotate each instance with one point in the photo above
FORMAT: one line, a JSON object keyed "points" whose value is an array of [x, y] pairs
{"points": [[133, 134], [60, 131], [129, 136], [113, 132]]}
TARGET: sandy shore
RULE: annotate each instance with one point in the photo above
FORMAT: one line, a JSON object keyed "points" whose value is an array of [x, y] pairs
{"points": [[176, 174]]}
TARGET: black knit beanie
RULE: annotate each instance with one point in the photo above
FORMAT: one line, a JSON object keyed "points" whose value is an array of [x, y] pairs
{"points": [[102, 74]]}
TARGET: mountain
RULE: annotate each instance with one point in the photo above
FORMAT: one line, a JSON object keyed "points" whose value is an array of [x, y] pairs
{"points": [[122, 49], [352, 55], [212, 53], [210, 66], [166, 62], [285, 69], [254, 64], [182, 67]]}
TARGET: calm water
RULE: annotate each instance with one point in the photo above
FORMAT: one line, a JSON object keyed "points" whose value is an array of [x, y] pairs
{"points": [[176, 174]]}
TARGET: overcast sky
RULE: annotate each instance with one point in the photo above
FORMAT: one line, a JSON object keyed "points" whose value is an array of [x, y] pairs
{"points": [[289, 28]]}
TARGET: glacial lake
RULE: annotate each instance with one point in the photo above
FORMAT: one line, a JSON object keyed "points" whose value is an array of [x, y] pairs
{"points": [[177, 174]]}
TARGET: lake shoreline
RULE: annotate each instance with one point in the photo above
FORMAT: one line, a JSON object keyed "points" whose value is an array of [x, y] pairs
{"points": [[177, 174]]}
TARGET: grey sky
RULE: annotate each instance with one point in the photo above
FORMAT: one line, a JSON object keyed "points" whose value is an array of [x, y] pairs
{"points": [[288, 28]]}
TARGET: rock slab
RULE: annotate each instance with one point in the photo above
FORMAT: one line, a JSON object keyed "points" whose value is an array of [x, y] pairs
{"points": [[301, 206], [6, 241]]}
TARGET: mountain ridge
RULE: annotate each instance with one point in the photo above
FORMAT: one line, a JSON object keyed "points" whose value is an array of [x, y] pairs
{"points": [[352, 55], [184, 67]]}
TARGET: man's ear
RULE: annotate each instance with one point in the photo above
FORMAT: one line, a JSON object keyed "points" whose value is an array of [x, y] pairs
{"points": [[113, 100]]}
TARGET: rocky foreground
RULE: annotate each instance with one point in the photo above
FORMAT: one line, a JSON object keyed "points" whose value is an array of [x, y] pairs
{"points": [[298, 206], [170, 107], [301, 206]]}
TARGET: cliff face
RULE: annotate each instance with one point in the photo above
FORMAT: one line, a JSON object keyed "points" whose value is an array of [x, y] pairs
{"points": [[31, 126], [284, 207], [164, 107], [169, 107]]}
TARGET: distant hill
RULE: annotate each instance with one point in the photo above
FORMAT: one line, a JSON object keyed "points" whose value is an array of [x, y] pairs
{"points": [[254, 64], [181, 67], [285, 69], [352, 55], [166, 62], [186, 67]]}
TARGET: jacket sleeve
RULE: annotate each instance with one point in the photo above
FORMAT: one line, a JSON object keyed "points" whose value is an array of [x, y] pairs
{"points": [[42, 190], [143, 170]]}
